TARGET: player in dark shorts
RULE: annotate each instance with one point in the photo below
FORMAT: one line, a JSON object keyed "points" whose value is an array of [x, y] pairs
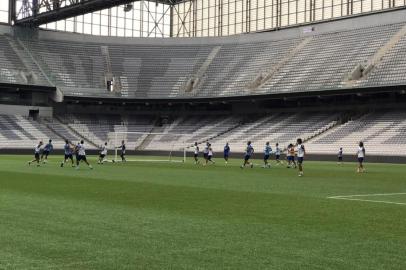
{"points": [[361, 157], [37, 152], [82, 155], [47, 150], [291, 156], [122, 154], [340, 156], [68, 150], [103, 154], [226, 152], [247, 156], [76, 151], [278, 152], [206, 152], [267, 154], [196, 153], [210, 155], [301, 152]]}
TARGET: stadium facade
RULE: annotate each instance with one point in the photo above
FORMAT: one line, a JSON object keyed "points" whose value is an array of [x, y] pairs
{"points": [[332, 83]]}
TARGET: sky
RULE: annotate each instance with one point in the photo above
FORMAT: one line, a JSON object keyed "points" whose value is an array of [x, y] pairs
{"points": [[3, 4]]}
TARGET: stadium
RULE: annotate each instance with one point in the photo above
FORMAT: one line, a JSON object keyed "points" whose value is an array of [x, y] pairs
{"points": [[202, 134]]}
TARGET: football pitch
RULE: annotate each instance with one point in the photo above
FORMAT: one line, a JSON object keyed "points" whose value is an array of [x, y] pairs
{"points": [[149, 215]]}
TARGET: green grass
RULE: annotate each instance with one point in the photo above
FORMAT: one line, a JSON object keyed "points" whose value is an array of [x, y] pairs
{"points": [[182, 216]]}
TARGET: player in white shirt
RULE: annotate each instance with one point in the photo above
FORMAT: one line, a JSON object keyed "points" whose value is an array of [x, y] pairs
{"points": [[80, 148], [300, 155], [210, 154], [278, 152], [103, 154], [361, 157], [37, 152], [68, 150], [206, 152], [249, 151], [196, 153]]}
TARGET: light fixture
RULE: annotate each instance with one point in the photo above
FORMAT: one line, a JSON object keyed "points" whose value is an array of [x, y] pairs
{"points": [[128, 7]]}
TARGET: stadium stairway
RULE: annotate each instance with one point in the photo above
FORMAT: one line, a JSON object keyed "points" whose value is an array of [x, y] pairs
{"points": [[150, 137], [29, 62], [262, 78], [361, 71], [196, 79]]}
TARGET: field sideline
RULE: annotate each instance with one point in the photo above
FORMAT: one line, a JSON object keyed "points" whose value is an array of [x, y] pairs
{"points": [[182, 216]]}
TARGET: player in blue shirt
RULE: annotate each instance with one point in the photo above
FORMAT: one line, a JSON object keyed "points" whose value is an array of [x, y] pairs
{"points": [[68, 150], [76, 151], [226, 152], [47, 150], [249, 151], [267, 154]]}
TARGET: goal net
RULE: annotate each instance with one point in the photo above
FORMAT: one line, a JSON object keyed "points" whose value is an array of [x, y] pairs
{"points": [[153, 147]]}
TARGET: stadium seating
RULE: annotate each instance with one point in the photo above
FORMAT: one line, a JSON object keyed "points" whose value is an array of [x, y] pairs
{"points": [[262, 64], [17, 132], [218, 68], [328, 59], [383, 133], [282, 128], [16, 65]]}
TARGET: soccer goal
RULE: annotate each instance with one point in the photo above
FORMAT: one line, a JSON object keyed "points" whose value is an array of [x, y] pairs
{"points": [[150, 147]]}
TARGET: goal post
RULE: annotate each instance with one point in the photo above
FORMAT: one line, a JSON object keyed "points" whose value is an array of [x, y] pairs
{"points": [[150, 146]]}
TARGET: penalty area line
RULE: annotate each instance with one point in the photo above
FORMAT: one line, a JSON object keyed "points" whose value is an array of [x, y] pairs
{"points": [[366, 195], [358, 197], [364, 200]]}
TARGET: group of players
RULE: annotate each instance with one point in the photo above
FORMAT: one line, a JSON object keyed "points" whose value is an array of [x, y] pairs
{"points": [[41, 154], [299, 152], [79, 151], [291, 153]]}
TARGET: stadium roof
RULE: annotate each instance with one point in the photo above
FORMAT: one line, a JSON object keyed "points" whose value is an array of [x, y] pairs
{"points": [[47, 11]]}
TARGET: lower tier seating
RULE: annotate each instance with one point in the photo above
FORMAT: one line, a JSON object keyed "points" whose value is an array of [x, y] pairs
{"points": [[383, 133]]}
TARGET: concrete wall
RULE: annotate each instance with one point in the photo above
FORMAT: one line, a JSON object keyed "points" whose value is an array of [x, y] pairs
{"points": [[24, 110], [5, 29]]}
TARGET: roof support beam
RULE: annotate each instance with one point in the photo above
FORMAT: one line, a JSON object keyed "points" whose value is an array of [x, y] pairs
{"points": [[37, 12]]}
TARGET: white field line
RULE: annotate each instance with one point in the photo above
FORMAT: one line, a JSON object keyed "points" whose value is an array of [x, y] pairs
{"points": [[367, 195], [351, 198]]}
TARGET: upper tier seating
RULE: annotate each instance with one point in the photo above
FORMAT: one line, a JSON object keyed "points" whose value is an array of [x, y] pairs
{"points": [[18, 68], [219, 68]]}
